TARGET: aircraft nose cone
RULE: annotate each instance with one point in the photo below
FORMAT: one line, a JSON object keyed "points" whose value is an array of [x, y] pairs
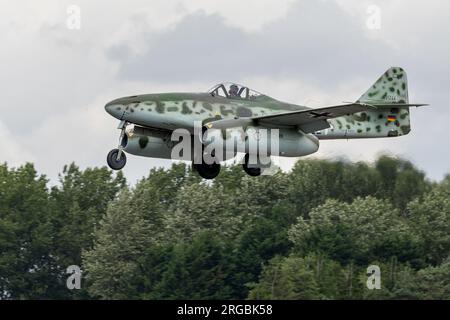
{"points": [[115, 109]]}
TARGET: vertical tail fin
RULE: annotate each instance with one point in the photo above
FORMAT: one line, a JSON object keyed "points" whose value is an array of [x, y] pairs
{"points": [[390, 88]]}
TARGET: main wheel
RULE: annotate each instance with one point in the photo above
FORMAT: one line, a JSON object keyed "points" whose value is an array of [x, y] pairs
{"points": [[113, 162], [254, 172], [207, 171]]}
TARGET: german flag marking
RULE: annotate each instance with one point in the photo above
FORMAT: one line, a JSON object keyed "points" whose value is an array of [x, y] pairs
{"points": [[391, 118]]}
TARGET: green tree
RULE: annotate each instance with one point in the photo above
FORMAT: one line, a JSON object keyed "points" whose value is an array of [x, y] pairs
{"points": [[199, 270], [112, 266], [312, 182], [157, 192], [401, 182], [400, 282], [254, 247], [26, 264], [430, 218], [200, 207], [434, 282], [290, 278], [355, 231], [79, 203], [257, 197]]}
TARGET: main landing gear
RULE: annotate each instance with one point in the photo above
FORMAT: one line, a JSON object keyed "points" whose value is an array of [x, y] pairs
{"points": [[116, 158], [207, 171], [252, 171], [210, 171]]}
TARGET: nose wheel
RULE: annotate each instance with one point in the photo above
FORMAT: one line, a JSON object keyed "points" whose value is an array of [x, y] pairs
{"points": [[116, 158]]}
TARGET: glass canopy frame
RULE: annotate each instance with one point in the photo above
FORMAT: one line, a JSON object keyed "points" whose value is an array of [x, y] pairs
{"points": [[231, 90]]}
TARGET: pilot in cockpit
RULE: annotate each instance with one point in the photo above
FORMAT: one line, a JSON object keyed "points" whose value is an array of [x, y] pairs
{"points": [[234, 91]]}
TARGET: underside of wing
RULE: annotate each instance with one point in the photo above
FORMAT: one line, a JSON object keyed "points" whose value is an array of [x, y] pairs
{"points": [[309, 120], [312, 119]]}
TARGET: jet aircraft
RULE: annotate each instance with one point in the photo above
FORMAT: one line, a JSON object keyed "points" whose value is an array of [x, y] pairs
{"points": [[147, 122]]}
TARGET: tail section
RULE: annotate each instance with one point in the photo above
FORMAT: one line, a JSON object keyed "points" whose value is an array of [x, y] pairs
{"points": [[389, 94]]}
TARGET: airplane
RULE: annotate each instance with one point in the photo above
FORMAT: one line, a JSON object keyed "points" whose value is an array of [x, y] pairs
{"points": [[382, 111]]}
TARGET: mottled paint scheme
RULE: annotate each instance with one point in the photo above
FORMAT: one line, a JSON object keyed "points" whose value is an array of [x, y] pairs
{"points": [[179, 110], [390, 88]]}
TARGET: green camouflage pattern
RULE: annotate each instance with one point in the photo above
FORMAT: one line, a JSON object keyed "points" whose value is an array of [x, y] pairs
{"points": [[391, 88], [180, 110]]}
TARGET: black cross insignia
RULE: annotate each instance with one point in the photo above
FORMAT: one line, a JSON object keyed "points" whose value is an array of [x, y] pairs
{"points": [[314, 114]]}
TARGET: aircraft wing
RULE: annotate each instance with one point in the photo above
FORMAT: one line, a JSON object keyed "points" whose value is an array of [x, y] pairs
{"points": [[309, 120]]}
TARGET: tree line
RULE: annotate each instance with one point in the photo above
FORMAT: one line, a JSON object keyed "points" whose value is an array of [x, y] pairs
{"points": [[310, 233]]}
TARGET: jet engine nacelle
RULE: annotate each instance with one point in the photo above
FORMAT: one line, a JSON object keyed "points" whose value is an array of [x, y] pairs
{"points": [[296, 143], [148, 143], [263, 141], [254, 140]]}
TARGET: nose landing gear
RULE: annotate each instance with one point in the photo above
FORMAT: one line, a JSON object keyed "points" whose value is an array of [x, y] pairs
{"points": [[207, 171], [116, 158]]}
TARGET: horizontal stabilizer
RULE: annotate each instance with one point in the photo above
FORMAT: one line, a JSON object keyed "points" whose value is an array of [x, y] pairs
{"points": [[398, 105]]}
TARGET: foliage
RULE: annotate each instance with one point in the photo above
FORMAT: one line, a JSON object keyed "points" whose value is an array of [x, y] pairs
{"points": [[307, 234], [120, 240], [361, 231], [430, 218]]}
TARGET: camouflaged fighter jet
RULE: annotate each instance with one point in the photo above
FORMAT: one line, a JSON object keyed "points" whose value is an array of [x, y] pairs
{"points": [[382, 111]]}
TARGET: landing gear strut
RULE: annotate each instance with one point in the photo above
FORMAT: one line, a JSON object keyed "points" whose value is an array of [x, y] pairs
{"points": [[251, 171], [116, 158], [205, 170]]}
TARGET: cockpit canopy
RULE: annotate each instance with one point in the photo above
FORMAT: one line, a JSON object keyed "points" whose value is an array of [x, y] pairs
{"points": [[234, 91]]}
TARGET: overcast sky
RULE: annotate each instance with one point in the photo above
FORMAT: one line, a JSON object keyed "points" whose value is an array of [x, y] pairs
{"points": [[55, 80]]}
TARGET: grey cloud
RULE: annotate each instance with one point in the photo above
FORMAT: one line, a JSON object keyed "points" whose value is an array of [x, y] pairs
{"points": [[52, 79], [316, 41]]}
